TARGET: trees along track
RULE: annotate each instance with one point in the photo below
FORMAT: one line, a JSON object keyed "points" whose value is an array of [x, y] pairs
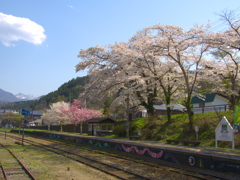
{"points": [[12, 167], [115, 165]]}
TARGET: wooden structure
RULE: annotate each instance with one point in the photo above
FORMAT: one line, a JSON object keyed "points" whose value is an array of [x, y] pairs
{"points": [[101, 126], [209, 103], [161, 109]]}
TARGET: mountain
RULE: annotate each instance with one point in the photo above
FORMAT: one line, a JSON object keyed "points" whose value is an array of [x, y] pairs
{"points": [[66, 92], [23, 97], [7, 96]]}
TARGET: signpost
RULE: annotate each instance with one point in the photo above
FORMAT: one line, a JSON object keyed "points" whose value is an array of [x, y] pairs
{"points": [[236, 122], [197, 130], [224, 132], [25, 112]]}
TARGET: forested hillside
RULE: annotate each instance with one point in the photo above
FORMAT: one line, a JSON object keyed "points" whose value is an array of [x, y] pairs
{"points": [[66, 92], [18, 106]]}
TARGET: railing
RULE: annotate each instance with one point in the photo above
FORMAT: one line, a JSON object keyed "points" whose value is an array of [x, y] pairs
{"points": [[215, 108]]}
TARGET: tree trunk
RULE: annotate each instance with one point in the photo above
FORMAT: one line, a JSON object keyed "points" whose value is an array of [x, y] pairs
{"points": [[74, 128], [150, 101], [169, 110], [169, 114], [80, 127], [190, 114], [61, 127]]}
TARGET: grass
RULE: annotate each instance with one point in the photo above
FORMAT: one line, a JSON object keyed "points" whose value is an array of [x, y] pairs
{"points": [[159, 129]]}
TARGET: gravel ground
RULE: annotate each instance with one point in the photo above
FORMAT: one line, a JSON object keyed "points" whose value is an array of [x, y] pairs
{"points": [[46, 165]]}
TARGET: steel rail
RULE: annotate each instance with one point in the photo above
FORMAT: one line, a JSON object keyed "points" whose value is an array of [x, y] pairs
{"points": [[62, 152], [3, 171], [24, 167], [187, 171], [207, 174]]}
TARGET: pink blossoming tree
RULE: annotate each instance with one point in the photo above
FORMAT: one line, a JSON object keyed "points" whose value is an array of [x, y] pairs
{"points": [[76, 113]]}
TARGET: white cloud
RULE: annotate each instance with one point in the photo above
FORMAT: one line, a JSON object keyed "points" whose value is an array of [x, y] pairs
{"points": [[70, 6], [14, 28]]}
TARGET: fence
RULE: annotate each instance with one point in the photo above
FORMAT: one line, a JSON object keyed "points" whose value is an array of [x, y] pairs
{"points": [[65, 128], [214, 108]]}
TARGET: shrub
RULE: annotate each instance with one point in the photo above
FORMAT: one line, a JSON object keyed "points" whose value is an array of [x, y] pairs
{"points": [[120, 130], [138, 124]]}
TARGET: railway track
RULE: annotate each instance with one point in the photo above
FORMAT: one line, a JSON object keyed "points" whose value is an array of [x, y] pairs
{"points": [[122, 166], [162, 165], [12, 167], [111, 169]]}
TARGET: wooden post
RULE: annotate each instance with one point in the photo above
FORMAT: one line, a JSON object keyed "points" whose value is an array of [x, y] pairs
{"points": [[5, 132], [23, 135]]}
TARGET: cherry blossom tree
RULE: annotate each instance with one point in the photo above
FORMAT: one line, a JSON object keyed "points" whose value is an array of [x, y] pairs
{"points": [[113, 73], [225, 49], [54, 114], [160, 59], [186, 49], [128, 70], [77, 113], [154, 78]]}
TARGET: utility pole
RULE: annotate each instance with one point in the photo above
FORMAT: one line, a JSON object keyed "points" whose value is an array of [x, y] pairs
{"points": [[128, 123]]}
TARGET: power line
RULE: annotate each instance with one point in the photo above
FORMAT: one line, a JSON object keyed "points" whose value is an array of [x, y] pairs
{"points": [[220, 26]]}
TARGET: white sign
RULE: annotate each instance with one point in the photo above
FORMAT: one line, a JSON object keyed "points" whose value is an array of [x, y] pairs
{"points": [[196, 128], [224, 132]]}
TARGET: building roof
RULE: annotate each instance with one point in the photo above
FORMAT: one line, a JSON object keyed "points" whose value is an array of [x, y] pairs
{"points": [[100, 119], [29, 112], [208, 98], [37, 113], [173, 107]]}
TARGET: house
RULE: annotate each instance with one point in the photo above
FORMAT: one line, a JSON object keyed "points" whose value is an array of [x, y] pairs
{"points": [[137, 112], [31, 117], [161, 109], [101, 126], [37, 122], [209, 103]]}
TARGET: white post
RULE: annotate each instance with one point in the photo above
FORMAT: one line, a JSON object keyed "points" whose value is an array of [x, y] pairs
{"points": [[196, 130], [233, 144]]}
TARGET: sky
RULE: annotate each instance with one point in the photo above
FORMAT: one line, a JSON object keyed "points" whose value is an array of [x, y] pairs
{"points": [[40, 40]]}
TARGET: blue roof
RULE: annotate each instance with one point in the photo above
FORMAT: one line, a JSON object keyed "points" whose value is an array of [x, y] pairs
{"points": [[29, 112]]}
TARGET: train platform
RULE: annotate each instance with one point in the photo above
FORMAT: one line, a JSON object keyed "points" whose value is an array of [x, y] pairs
{"points": [[217, 152], [211, 159]]}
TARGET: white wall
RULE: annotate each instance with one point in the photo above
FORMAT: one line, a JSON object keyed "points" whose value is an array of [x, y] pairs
{"points": [[218, 100]]}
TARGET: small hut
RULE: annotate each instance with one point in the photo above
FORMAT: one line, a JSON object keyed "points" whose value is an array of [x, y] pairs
{"points": [[101, 126]]}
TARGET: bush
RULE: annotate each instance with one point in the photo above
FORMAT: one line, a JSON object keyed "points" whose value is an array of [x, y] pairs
{"points": [[120, 130], [137, 125]]}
